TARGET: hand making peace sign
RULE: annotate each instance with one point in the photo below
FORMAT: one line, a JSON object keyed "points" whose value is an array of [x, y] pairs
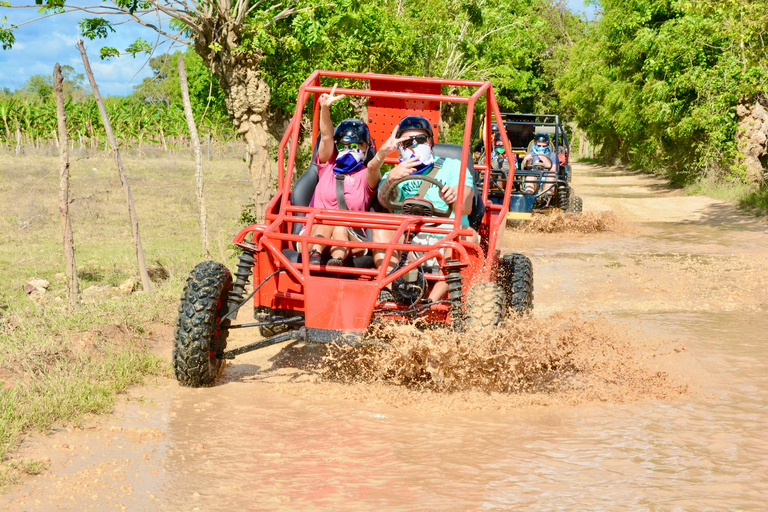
{"points": [[391, 144], [326, 100]]}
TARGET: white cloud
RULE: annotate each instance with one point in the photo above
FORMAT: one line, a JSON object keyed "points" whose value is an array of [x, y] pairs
{"points": [[70, 40], [43, 43]]}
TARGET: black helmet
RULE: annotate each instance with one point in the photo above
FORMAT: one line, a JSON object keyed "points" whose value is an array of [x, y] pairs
{"points": [[541, 137], [414, 123], [352, 130], [494, 126]]}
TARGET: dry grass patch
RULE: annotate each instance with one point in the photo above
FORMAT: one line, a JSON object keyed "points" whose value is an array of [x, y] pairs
{"points": [[59, 366]]}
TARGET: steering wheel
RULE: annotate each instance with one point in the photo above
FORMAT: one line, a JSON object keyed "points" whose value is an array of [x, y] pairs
{"points": [[538, 166], [415, 205]]}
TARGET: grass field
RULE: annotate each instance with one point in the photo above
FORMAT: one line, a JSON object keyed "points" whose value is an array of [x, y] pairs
{"points": [[57, 366]]}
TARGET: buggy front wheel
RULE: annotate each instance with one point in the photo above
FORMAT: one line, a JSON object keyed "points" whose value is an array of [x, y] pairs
{"points": [[200, 333], [574, 204], [484, 307]]}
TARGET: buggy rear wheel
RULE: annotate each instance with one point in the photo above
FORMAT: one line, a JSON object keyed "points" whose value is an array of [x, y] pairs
{"points": [[484, 307], [515, 276], [199, 337], [574, 204]]}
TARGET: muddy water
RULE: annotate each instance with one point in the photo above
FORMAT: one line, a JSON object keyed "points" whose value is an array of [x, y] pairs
{"points": [[685, 271]]}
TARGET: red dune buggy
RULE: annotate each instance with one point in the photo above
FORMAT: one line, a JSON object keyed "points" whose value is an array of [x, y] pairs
{"points": [[294, 300]]}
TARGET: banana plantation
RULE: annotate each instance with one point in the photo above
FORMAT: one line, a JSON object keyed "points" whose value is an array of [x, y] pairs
{"points": [[29, 123]]}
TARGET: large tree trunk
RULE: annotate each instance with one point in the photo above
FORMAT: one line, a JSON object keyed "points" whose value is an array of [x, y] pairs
{"points": [[752, 138], [246, 95]]}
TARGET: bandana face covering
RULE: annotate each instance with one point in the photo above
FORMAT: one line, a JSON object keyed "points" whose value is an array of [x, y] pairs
{"points": [[348, 161], [421, 151], [541, 150]]}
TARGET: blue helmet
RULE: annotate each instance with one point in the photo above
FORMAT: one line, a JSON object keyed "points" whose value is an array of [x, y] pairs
{"points": [[352, 130], [414, 123]]}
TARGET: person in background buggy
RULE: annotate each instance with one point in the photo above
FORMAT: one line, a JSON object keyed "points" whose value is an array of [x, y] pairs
{"points": [[499, 158], [343, 177], [541, 154]]}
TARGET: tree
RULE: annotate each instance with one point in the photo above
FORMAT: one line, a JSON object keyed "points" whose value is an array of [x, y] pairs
{"points": [[657, 82], [39, 87]]}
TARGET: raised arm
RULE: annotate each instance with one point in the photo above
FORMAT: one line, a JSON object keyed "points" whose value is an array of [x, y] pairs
{"points": [[374, 166], [325, 151]]}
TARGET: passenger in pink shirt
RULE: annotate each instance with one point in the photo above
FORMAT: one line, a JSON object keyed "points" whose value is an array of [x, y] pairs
{"points": [[340, 154]]}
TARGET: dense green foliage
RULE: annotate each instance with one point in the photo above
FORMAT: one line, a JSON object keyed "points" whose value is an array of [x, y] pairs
{"points": [[656, 82], [510, 42]]}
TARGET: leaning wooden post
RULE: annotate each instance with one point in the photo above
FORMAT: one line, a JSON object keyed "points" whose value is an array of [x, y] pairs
{"points": [[73, 289], [18, 140], [198, 156], [123, 178]]}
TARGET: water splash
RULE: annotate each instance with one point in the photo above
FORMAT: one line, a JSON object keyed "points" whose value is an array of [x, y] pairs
{"points": [[566, 356]]}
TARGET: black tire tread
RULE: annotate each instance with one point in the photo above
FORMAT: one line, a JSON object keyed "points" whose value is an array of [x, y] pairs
{"points": [[207, 287], [575, 204], [515, 276]]}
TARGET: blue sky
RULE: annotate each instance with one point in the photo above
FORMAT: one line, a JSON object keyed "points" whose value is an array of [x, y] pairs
{"points": [[40, 45]]}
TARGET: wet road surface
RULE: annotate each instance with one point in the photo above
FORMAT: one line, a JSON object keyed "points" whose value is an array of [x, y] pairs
{"points": [[688, 270]]}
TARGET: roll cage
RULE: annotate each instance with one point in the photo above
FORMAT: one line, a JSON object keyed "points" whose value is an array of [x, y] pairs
{"points": [[345, 298]]}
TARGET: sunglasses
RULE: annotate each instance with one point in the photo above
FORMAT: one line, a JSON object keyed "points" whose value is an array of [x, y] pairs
{"points": [[350, 145], [414, 141]]}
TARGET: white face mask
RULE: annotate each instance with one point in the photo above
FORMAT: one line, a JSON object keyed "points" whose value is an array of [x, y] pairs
{"points": [[422, 151]]}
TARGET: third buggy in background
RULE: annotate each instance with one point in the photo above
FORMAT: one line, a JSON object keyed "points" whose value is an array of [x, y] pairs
{"points": [[536, 187]]}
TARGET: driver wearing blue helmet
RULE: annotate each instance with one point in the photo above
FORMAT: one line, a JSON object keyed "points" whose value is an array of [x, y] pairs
{"points": [[413, 140], [540, 154]]}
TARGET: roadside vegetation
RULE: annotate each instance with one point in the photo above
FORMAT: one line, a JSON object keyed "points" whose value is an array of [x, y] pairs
{"points": [[677, 88], [61, 366]]}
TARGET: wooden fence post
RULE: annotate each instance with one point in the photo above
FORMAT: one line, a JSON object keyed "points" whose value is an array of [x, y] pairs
{"points": [[198, 157], [73, 288], [121, 171]]}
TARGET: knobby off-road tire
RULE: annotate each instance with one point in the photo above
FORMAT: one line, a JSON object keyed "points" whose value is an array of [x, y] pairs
{"points": [[574, 204], [198, 334], [484, 307], [515, 276]]}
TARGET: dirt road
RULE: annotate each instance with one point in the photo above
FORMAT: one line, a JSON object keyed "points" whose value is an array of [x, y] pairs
{"points": [[684, 272]]}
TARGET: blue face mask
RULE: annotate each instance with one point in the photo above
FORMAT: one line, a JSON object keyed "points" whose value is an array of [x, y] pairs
{"points": [[348, 161], [540, 150]]}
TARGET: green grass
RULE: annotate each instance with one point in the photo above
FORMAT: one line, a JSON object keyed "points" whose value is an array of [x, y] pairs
{"points": [[749, 198], [59, 366], [756, 202]]}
